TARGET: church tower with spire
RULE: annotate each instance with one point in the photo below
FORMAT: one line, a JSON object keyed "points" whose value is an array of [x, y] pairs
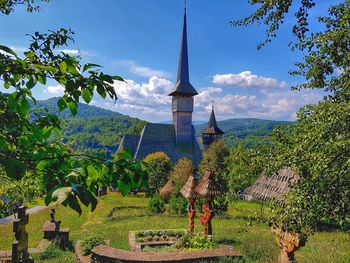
{"points": [[212, 132], [178, 139], [182, 95]]}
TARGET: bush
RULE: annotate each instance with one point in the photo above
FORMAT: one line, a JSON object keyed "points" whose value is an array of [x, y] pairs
{"points": [[159, 167], [182, 170], [197, 242], [55, 250], [90, 242], [177, 205], [221, 204], [156, 205]]}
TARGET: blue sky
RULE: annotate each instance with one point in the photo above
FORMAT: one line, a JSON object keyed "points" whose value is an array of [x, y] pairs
{"points": [[140, 40]]}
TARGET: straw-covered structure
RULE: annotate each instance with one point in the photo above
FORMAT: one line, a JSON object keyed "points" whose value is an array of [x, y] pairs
{"points": [[188, 190], [167, 190], [273, 187], [207, 187]]}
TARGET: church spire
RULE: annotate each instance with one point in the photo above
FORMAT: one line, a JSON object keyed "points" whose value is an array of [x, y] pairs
{"points": [[212, 127], [183, 85]]}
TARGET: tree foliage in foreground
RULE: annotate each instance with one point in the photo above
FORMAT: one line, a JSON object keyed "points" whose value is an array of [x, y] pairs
{"points": [[318, 144], [8, 6], [318, 147], [69, 178]]}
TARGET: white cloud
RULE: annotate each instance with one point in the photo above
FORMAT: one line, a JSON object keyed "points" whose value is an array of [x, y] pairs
{"points": [[274, 105], [247, 79], [55, 90], [151, 94], [142, 71]]}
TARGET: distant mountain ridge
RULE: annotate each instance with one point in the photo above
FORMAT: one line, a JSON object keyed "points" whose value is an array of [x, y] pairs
{"points": [[95, 130], [85, 110], [250, 132]]}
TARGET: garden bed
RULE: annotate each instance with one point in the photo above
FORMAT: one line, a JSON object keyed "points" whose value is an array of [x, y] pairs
{"points": [[138, 240]]}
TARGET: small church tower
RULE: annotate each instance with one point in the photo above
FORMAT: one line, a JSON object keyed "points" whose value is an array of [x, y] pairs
{"points": [[212, 132], [182, 96]]}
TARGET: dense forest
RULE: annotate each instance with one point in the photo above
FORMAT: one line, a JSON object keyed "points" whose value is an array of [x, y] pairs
{"points": [[246, 131], [93, 130]]}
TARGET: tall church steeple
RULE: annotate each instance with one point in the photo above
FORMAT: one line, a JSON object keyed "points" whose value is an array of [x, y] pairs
{"points": [[182, 94]]}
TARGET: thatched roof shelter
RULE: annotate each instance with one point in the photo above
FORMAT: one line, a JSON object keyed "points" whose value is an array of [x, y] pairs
{"points": [[188, 190], [207, 187], [273, 187], [167, 190]]}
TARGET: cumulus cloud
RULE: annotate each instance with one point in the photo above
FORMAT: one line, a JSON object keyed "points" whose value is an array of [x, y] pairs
{"points": [[142, 71], [247, 79], [274, 105], [152, 94], [55, 90]]}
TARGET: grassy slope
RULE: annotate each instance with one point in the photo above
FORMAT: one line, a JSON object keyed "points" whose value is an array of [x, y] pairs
{"points": [[254, 241]]}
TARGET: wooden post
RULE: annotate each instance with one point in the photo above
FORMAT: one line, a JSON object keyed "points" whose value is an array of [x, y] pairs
{"points": [[192, 214], [210, 217], [20, 245]]}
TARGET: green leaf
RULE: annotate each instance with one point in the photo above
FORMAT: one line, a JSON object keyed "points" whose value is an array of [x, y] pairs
{"points": [[73, 70], [37, 133], [23, 140], [74, 204], [87, 95], [25, 106], [124, 188], [92, 172], [101, 91], [90, 65], [43, 164], [61, 103], [42, 79], [73, 106], [63, 67], [14, 168], [118, 78], [8, 50]]}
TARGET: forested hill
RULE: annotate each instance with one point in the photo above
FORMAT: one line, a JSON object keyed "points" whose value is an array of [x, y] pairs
{"points": [[98, 131], [93, 130], [250, 132], [85, 110]]}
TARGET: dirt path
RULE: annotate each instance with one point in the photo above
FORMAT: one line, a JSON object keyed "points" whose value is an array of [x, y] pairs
{"points": [[30, 211]]}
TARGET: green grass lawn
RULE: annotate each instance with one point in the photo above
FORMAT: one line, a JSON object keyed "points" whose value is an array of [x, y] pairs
{"points": [[251, 238]]}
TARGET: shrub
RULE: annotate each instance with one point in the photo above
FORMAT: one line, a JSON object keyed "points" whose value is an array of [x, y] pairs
{"points": [[159, 168], [156, 205], [55, 250], [221, 204], [177, 205], [90, 242], [197, 242], [181, 172]]}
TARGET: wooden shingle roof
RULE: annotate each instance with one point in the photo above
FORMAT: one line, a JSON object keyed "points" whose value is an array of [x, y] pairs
{"points": [[207, 187], [188, 190]]}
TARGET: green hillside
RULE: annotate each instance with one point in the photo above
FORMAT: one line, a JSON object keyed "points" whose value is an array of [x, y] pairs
{"points": [[98, 131], [93, 130], [248, 131]]}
